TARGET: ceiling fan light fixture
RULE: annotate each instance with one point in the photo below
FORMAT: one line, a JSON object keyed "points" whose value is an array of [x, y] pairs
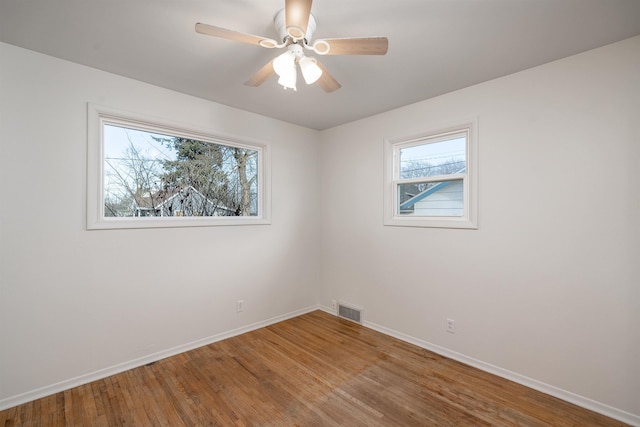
{"points": [[296, 25], [283, 63], [310, 70], [288, 80]]}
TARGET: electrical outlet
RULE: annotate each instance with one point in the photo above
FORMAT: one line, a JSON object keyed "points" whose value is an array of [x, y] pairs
{"points": [[451, 326], [334, 305], [240, 306]]}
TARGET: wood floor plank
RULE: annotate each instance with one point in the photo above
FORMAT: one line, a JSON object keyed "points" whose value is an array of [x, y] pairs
{"points": [[313, 370]]}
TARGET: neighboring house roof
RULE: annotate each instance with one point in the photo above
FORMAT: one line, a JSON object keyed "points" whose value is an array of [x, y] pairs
{"points": [[169, 198], [429, 191], [164, 198]]}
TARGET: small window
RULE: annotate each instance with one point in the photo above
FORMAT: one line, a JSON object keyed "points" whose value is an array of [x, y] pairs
{"points": [[431, 179], [143, 174]]}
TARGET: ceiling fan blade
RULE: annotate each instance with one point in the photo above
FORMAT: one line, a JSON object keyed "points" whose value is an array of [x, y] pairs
{"points": [[262, 75], [214, 31], [326, 80], [352, 46], [297, 17]]}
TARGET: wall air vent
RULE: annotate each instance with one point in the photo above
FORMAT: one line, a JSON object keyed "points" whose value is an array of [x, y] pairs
{"points": [[350, 312]]}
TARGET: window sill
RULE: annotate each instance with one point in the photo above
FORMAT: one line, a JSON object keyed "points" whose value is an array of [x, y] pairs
{"points": [[461, 223]]}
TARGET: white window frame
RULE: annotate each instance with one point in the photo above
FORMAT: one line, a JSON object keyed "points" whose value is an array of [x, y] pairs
{"points": [[98, 116], [392, 147]]}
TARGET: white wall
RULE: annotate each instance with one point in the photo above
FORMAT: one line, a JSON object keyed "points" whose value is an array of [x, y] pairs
{"points": [[548, 287], [72, 301]]}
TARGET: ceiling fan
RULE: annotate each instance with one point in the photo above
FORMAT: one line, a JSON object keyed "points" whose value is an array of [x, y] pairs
{"points": [[295, 26]]}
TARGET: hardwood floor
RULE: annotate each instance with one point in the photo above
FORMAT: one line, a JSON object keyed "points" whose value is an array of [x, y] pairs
{"points": [[313, 370]]}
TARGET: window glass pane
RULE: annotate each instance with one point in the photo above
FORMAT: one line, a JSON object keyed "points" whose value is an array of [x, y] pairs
{"points": [[154, 175], [438, 198], [443, 157]]}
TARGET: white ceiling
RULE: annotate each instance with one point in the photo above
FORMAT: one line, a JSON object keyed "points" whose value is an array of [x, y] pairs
{"points": [[435, 46]]}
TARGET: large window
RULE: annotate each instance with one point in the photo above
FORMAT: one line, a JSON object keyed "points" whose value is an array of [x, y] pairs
{"points": [[143, 174], [431, 179]]}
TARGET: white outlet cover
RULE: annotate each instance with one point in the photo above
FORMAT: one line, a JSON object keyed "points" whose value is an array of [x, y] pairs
{"points": [[451, 326]]}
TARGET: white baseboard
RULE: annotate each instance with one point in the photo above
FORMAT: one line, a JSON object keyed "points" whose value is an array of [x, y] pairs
{"points": [[568, 396], [48, 390]]}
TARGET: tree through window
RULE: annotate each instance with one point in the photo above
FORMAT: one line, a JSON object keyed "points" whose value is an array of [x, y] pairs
{"points": [[148, 175]]}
